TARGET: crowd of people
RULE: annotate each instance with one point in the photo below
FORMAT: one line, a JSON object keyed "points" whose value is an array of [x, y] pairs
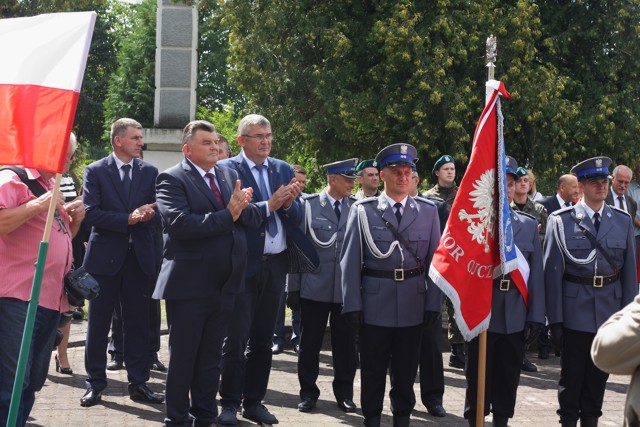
{"points": [[228, 241]]}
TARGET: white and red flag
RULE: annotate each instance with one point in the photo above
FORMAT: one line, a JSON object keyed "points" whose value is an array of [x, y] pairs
{"points": [[477, 243], [43, 62]]}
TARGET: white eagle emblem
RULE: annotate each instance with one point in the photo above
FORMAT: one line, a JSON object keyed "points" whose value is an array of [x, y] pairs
{"points": [[481, 223]]}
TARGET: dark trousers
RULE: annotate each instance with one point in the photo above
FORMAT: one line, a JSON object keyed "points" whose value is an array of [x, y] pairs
{"points": [[245, 374], [504, 361], [279, 332], [197, 327], [129, 288], [314, 316], [115, 341], [582, 385], [431, 368], [395, 349]]}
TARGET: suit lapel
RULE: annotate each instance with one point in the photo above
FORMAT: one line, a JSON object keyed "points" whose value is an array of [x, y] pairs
{"points": [[387, 210], [226, 186], [136, 178], [196, 179], [247, 176], [114, 174]]}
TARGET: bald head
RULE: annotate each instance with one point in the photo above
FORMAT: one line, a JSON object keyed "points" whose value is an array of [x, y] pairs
{"points": [[568, 187]]}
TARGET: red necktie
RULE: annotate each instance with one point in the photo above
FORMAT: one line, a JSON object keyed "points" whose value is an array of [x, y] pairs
{"points": [[214, 188]]}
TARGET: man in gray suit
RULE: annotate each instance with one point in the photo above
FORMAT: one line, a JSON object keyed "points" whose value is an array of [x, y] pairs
{"points": [[319, 294], [618, 196], [388, 245], [590, 273], [516, 316]]}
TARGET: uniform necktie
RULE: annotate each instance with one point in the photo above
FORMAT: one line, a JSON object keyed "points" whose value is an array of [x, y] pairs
{"points": [[398, 213], [620, 203], [336, 208], [272, 227], [126, 180], [596, 221], [214, 188], [567, 204]]}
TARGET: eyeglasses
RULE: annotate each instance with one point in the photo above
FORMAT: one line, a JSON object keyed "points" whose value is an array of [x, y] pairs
{"points": [[261, 137]]}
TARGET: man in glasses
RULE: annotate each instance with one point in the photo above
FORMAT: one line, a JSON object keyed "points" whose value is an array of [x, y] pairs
{"points": [[590, 273]]}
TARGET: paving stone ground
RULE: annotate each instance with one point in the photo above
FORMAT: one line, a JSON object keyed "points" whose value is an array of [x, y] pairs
{"points": [[58, 403]]}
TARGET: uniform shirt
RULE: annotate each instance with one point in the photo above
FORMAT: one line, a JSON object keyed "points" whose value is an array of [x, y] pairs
{"points": [[19, 249]]}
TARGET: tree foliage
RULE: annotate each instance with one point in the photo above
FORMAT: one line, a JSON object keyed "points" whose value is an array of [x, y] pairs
{"points": [[342, 79]]}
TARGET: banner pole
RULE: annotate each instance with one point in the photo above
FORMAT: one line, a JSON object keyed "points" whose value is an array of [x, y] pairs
{"points": [[27, 335]]}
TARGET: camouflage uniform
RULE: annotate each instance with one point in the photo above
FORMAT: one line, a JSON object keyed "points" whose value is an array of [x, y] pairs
{"points": [[537, 211], [360, 194]]}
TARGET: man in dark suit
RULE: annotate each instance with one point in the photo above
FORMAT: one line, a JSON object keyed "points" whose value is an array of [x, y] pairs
{"points": [[386, 296], [246, 352], [203, 267], [567, 193], [590, 273], [318, 294], [119, 195], [618, 195]]}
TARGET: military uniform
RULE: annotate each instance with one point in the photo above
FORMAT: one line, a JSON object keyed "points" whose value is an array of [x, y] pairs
{"points": [[448, 194], [360, 194], [387, 287], [537, 211], [321, 300], [583, 289]]}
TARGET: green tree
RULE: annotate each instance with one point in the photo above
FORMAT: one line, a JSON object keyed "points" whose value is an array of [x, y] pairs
{"points": [[343, 79]]}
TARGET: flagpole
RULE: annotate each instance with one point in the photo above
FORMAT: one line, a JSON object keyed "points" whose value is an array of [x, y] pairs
{"points": [[482, 339], [27, 335]]}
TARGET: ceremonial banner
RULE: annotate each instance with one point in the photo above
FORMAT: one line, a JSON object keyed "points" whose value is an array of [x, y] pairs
{"points": [[477, 244], [44, 59]]}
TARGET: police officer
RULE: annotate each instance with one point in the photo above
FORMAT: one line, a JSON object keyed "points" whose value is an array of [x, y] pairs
{"points": [[522, 203], [388, 246], [369, 179], [319, 293], [516, 316], [590, 273]]}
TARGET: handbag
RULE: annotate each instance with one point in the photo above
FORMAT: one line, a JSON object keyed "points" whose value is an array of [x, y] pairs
{"points": [[79, 286]]}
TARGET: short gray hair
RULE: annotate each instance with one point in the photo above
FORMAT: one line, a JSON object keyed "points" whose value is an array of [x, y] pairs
{"points": [[252, 120], [120, 126]]}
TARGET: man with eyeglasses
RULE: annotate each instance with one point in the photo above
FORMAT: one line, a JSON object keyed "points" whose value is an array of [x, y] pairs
{"points": [[246, 352], [590, 273]]}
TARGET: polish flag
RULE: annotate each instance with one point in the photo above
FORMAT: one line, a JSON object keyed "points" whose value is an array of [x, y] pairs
{"points": [[44, 59], [472, 250]]}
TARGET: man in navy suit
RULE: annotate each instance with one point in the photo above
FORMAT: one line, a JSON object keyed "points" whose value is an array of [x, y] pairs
{"points": [[567, 193], [120, 200], [246, 352], [205, 255]]}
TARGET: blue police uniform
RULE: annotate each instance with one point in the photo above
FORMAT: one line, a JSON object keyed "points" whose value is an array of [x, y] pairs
{"points": [[385, 287], [583, 288], [509, 318], [320, 296]]}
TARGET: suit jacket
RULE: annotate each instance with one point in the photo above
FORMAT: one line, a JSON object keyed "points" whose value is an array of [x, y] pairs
{"points": [[280, 173], [583, 307], [384, 301], [551, 204], [616, 350], [205, 251], [508, 310], [632, 206], [321, 225], [107, 214]]}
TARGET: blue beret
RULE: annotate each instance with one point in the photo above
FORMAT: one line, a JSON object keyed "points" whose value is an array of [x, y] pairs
{"points": [[441, 162], [593, 168], [396, 155], [343, 167]]}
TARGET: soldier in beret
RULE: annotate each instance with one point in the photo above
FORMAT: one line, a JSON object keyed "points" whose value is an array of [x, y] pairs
{"points": [[444, 170], [590, 273], [387, 297], [369, 179]]}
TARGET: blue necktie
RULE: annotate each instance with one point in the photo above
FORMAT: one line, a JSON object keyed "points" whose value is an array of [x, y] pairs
{"points": [[336, 208], [398, 206], [272, 226], [126, 180]]}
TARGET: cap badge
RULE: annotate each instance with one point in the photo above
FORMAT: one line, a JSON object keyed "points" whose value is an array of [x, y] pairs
{"points": [[403, 149]]}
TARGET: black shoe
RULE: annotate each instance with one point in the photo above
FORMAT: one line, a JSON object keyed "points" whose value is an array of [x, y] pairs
{"points": [[277, 349], [114, 365], [228, 416], [456, 362], [347, 405], [157, 365], [142, 393], [259, 414], [543, 354], [436, 410], [307, 404], [90, 398], [62, 370], [528, 366]]}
